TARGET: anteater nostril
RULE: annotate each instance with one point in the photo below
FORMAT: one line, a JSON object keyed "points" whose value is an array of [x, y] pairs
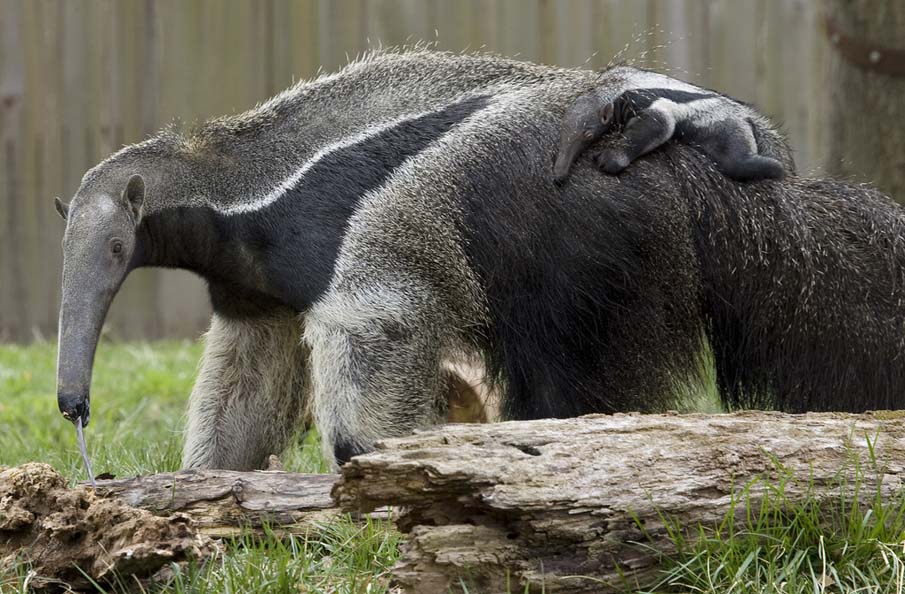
{"points": [[72, 407]]}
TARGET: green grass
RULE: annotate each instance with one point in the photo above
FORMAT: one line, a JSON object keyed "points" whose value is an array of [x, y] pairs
{"points": [[138, 400], [853, 543]]}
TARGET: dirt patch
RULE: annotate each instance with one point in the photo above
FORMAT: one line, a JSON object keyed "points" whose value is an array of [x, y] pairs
{"points": [[58, 531]]}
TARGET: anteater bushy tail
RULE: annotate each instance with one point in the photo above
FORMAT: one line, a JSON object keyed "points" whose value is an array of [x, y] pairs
{"points": [[803, 290]]}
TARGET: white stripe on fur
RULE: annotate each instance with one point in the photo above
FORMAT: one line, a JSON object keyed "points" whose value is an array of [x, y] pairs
{"points": [[290, 182]]}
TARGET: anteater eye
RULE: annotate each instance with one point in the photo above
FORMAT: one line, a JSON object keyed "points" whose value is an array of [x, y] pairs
{"points": [[588, 134], [116, 247]]}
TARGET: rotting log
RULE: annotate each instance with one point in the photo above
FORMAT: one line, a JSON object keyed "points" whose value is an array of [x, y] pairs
{"points": [[68, 538], [556, 504], [581, 505], [226, 503], [136, 528]]}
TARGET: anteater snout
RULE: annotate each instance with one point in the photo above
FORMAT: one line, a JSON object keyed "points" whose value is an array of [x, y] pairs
{"points": [[74, 406]]}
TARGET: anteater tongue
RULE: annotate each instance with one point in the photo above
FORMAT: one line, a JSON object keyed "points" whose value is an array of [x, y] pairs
{"points": [[81, 438]]}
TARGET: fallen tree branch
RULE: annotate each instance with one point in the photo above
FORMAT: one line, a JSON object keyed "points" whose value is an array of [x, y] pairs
{"points": [[563, 504], [227, 503]]}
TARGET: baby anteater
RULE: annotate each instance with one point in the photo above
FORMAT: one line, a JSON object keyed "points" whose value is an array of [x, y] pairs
{"points": [[724, 129]]}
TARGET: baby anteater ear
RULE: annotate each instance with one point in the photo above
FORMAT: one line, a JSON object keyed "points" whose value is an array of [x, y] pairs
{"points": [[606, 114], [134, 195]]}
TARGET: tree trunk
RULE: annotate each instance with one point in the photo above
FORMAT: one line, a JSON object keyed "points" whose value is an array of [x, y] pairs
{"points": [[866, 89], [562, 504]]}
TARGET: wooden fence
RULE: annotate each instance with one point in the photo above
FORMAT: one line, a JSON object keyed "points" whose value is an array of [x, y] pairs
{"points": [[79, 79]]}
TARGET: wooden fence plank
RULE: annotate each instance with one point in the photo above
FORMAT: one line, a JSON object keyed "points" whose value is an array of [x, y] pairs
{"points": [[12, 98], [27, 224]]}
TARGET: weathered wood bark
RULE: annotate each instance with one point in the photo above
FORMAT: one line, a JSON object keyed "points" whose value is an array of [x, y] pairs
{"points": [[867, 138], [562, 504], [68, 538], [136, 527], [225, 503]]}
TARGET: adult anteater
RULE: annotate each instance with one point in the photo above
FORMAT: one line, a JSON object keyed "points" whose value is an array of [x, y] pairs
{"points": [[361, 229]]}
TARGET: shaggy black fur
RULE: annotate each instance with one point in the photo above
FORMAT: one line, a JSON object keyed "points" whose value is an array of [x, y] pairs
{"points": [[593, 289], [798, 287], [803, 293]]}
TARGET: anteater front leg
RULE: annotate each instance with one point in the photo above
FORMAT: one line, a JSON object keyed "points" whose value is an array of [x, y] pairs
{"points": [[376, 366], [645, 132], [250, 394]]}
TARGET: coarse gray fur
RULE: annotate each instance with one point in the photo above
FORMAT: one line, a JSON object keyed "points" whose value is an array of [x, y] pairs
{"points": [[735, 135], [596, 296], [264, 357]]}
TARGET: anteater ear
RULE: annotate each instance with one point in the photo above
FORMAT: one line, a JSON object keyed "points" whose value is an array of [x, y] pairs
{"points": [[134, 195], [607, 113], [62, 207]]}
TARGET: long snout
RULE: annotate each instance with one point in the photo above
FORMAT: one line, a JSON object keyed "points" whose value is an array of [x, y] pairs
{"points": [[75, 358], [81, 319], [566, 156]]}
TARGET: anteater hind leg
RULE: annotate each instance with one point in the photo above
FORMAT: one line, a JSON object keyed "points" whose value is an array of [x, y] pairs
{"points": [[751, 167], [250, 393], [376, 367], [643, 133], [734, 148]]}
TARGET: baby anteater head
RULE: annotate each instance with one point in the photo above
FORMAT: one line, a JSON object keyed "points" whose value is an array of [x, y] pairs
{"points": [[584, 123]]}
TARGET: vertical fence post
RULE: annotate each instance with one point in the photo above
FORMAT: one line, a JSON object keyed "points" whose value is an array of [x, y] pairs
{"points": [[13, 313]]}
